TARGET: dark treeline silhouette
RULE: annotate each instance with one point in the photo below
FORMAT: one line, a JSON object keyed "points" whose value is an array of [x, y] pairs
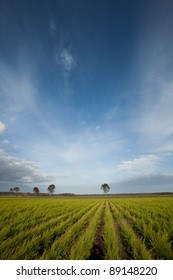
{"points": [[11, 194]]}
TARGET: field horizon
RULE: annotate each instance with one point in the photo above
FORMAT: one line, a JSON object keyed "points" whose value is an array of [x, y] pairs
{"points": [[145, 194]]}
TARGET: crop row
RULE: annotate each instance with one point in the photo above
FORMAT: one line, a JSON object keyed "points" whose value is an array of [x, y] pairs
{"points": [[153, 224], [17, 243], [100, 228]]}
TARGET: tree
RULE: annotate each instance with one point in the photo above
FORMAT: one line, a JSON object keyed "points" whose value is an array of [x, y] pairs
{"points": [[16, 189], [105, 187], [11, 190], [36, 190], [51, 188]]}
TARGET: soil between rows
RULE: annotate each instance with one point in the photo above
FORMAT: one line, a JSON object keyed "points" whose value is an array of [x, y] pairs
{"points": [[123, 254], [97, 251]]}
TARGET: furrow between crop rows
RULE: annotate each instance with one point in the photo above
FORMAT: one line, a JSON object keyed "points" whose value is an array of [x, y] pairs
{"points": [[111, 246], [62, 245], [136, 248], [81, 249], [156, 236], [97, 250]]}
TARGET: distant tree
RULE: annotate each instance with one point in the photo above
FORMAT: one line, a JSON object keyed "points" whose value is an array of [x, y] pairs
{"points": [[16, 189], [11, 190], [51, 188], [36, 190], [105, 187]]}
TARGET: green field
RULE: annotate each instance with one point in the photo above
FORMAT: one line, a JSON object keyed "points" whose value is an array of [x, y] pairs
{"points": [[52, 228]]}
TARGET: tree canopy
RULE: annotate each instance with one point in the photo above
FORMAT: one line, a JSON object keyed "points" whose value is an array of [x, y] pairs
{"points": [[105, 187], [36, 190], [16, 189], [51, 188]]}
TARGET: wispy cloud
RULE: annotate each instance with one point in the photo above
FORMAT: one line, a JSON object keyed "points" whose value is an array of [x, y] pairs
{"points": [[66, 63], [52, 25], [84, 155], [2, 127], [112, 113], [66, 59], [7, 146], [17, 92], [139, 166], [153, 111], [154, 114], [156, 120], [5, 142]]}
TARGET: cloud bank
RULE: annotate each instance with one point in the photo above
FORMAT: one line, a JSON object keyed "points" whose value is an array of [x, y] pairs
{"points": [[14, 170], [144, 184]]}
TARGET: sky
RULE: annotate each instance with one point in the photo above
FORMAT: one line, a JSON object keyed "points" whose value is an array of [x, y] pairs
{"points": [[86, 95]]}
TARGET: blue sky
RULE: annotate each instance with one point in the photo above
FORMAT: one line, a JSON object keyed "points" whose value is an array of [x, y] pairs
{"points": [[86, 94]]}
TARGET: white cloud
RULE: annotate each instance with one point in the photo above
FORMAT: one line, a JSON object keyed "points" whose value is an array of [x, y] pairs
{"points": [[141, 165], [2, 127], [5, 142]]}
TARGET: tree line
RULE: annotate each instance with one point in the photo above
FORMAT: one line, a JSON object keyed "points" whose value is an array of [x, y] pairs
{"points": [[51, 188]]}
